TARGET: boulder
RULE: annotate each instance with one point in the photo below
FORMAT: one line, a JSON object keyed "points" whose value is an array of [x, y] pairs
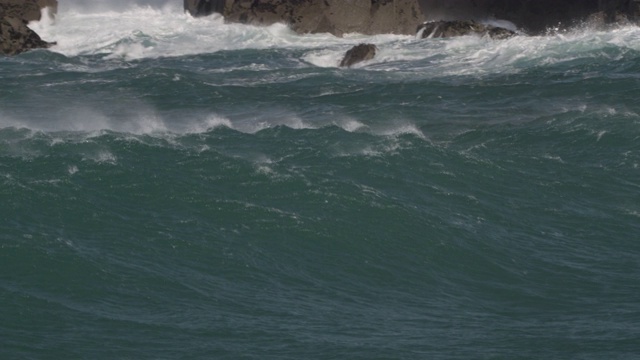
{"points": [[358, 53], [446, 29], [15, 35], [312, 16]]}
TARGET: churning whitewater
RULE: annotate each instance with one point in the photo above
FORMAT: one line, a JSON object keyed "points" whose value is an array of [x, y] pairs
{"points": [[178, 187]]}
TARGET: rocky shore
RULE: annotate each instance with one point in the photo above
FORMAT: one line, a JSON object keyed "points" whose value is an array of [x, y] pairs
{"points": [[429, 18], [404, 16], [425, 18], [452, 28], [312, 16], [534, 17], [15, 36]]}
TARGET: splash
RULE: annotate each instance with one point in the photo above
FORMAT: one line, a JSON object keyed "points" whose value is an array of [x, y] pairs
{"points": [[135, 32], [89, 6], [132, 31]]}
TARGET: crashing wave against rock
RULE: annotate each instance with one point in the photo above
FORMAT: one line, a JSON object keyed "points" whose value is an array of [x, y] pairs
{"points": [[337, 17], [15, 36], [358, 54], [403, 16], [445, 29]]}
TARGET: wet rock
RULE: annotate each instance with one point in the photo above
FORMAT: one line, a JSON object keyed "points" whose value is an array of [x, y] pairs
{"points": [[337, 17], [603, 21], [446, 29], [403, 16], [15, 36], [204, 7], [532, 16], [28, 10], [358, 53]]}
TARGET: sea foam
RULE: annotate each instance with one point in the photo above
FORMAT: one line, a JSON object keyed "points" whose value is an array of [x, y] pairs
{"points": [[137, 32]]}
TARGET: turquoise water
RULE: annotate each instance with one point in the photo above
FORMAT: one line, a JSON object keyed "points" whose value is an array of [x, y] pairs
{"points": [[182, 188]]}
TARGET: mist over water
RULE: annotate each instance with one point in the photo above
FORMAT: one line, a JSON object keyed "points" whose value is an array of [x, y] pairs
{"points": [[175, 187], [89, 6]]}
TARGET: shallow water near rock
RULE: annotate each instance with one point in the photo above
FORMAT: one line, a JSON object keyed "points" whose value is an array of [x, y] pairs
{"points": [[182, 188]]}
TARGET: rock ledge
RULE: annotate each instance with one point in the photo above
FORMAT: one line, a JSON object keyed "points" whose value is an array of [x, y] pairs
{"points": [[15, 36]]}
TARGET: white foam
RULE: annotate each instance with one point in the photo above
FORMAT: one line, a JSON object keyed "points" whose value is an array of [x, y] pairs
{"points": [[210, 123], [351, 125], [400, 128], [100, 157], [505, 24], [141, 119], [129, 31], [146, 32]]}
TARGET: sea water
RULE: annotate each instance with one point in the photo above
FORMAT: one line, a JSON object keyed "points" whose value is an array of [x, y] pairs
{"points": [[173, 187]]}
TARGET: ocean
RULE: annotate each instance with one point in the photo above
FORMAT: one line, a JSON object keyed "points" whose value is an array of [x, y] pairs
{"points": [[180, 188]]}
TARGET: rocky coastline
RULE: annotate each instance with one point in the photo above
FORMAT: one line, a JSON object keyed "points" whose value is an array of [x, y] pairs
{"points": [[534, 17], [423, 18], [428, 18], [370, 17], [15, 35], [337, 17], [453, 28]]}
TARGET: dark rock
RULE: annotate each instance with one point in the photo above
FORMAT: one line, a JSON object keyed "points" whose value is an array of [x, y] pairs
{"points": [[28, 10], [15, 35], [403, 16], [446, 29], [532, 16], [602, 21], [204, 7], [319, 16], [359, 53]]}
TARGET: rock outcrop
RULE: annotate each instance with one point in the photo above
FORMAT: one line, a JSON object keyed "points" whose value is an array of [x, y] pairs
{"points": [[15, 36], [403, 16], [602, 21], [27, 10], [532, 16], [446, 29], [199, 8], [358, 54], [337, 17]]}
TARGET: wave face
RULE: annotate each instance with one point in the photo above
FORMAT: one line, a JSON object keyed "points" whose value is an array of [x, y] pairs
{"points": [[177, 187]]}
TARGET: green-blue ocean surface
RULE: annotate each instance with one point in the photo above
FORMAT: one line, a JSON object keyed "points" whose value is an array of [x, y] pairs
{"points": [[179, 188]]}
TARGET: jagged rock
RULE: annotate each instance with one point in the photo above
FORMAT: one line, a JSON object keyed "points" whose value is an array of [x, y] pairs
{"points": [[446, 29], [532, 16], [358, 53], [28, 10], [204, 7], [403, 16], [314, 16], [15, 36]]}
